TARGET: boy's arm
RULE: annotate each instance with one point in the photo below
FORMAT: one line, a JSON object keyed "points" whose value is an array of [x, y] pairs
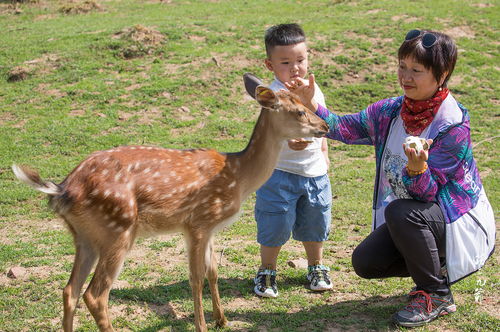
{"points": [[356, 128]]}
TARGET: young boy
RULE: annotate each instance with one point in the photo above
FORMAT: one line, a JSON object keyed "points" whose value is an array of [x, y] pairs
{"points": [[297, 197]]}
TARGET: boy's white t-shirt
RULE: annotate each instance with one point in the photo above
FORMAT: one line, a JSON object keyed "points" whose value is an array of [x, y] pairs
{"points": [[309, 162]]}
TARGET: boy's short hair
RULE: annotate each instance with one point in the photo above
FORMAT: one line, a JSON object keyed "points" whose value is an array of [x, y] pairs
{"points": [[283, 35], [440, 58]]}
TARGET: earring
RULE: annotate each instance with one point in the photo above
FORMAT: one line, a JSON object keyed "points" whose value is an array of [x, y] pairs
{"points": [[440, 88]]}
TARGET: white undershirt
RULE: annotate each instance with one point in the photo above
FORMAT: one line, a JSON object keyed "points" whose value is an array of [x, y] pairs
{"points": [[393, 162]]}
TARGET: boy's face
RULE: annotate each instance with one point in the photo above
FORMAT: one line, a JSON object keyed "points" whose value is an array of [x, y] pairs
{"points": [[288, 62]]}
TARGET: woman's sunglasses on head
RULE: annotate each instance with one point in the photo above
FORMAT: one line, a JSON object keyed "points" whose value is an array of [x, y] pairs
{"points": [[428, 39]]}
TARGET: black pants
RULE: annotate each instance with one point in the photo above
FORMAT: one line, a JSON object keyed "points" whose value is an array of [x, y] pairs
{"points": [[411, 243]]}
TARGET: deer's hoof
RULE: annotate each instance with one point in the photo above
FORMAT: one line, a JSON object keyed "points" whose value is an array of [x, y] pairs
{"points": [[221, 322]]}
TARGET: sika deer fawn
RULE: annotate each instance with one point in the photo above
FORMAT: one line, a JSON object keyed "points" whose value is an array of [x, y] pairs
{"points": [[116, 195]]}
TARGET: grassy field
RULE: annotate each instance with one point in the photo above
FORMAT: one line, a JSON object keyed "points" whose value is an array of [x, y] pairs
{"points": [[76, 77]]}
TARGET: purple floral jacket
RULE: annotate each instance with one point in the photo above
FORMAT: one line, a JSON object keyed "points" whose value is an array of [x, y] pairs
{"points": [[451, 179]]}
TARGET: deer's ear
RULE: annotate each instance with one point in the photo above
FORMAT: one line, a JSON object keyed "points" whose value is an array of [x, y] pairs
{"points": [[266, 97], [251, 83]]}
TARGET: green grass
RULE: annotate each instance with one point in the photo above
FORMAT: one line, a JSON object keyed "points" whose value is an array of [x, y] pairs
{"points": [[87, 89]]}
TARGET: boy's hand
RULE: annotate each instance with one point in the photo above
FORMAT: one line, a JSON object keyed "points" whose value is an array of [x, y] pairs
{"points": [[305, 90], [298, 144]]}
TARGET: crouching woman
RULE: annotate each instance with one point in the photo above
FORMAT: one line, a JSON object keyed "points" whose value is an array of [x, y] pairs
{"points": [[432, 220]]}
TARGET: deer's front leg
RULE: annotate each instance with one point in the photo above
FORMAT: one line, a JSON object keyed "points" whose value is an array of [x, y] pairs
{"points": [[198, 246], [212, 275]]}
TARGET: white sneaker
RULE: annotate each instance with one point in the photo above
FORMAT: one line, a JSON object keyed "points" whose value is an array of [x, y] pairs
{"points": [[265, 283], [319, 278]]}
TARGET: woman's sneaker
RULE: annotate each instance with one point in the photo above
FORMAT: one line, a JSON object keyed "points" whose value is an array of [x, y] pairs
{"points": [[265, 283], [423, 308], [319, 278]]}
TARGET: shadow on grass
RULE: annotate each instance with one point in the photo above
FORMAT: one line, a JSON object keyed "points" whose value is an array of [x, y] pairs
{"points": [[372, 313]]}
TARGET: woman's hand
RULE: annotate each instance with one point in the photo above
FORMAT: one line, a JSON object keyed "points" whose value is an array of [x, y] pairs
{"points": [[417, 162], [305, 90], [298, 144]]}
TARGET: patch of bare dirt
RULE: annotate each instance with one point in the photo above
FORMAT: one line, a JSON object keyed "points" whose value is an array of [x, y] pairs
{"points": [[483, 5], [23, 230], [7, 117], [168, 258], [37, 273], [168, 309], [374, 11], [140, 313], [197, 39], [45, 89], [145, 116], [133, 87], [490, 305], [239, 325], [460, 32], [76, 112], [20, 124], [44, 17], [159, 1], [375, 41], [325, 57], [456, 80], [406, 18], [177, 132], [223, 63]]}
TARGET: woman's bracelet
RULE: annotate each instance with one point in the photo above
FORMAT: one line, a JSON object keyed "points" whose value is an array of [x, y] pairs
{"points": [[415, 173]]}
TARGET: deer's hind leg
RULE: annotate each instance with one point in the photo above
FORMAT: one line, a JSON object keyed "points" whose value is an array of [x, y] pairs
{"points": [[85, 258], [111, 257], [212, 276]]}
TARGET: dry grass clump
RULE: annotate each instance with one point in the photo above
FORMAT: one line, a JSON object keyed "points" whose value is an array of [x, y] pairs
{"points": [[41, 66], [141, 34], [18, 73], [14, 6], [139, 40], [80, 7]]}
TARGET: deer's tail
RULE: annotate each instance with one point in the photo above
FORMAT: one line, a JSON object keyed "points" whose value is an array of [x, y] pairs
{"points": [[32, 179]]}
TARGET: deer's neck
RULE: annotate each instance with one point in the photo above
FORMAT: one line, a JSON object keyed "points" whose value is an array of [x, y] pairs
{"points": [[255, 164]]}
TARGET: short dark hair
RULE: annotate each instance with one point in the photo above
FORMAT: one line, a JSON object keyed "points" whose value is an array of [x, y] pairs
{"points": [[283, 35], [440, 58]]}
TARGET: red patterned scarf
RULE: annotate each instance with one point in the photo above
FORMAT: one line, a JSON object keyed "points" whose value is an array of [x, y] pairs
{"points": [[418, 114]]}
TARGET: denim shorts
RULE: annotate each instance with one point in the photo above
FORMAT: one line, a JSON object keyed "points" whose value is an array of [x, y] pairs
{"points": [[293, 204]]}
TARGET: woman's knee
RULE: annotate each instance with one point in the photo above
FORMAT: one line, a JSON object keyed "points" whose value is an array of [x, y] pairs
{"points": [[396, 212], [361, 263]]}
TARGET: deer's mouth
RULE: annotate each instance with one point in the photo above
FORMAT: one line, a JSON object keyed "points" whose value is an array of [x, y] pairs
{"points": [[322, 132]]}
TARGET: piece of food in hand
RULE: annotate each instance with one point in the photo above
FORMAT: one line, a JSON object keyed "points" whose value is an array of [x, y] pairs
{"points": [[416, 143], [300, 140]]}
